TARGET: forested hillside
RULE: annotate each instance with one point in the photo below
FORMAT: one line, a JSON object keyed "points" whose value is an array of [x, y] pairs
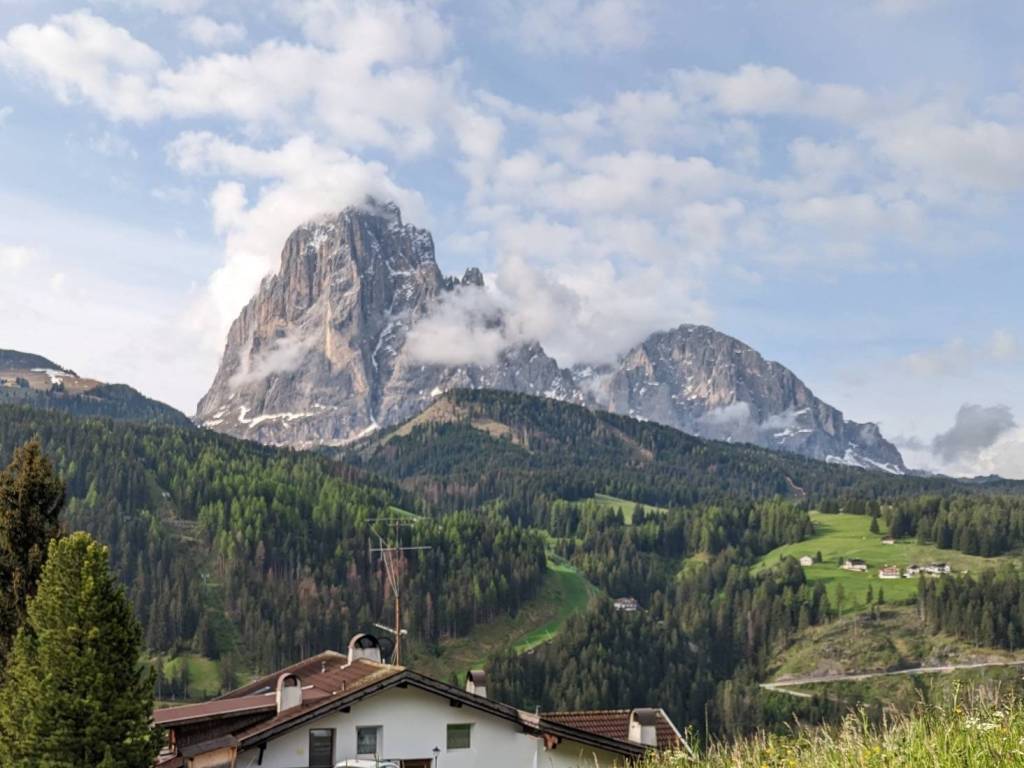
{"points": [[476, 446], [231, 548], [704, 513], [258, 556]]}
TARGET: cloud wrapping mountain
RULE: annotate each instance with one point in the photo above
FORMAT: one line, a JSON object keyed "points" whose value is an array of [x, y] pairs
{"points": [[359, 330]]}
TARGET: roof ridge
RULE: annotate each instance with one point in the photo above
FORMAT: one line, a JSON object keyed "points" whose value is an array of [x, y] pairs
{"points": [[591, 711]]}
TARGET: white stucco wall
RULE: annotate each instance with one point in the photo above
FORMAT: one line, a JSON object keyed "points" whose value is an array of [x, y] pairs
{"points": [[413, 722]]}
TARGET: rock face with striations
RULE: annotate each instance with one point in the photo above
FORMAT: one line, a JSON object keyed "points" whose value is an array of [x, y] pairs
{"points": [[319, 356], [706, 383]]}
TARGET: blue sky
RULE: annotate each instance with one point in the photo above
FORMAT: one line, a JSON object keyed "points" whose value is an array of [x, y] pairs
{"points": [[837, 183]]}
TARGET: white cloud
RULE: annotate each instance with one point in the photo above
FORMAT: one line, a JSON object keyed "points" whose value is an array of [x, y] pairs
{"points": [[284, 354], [385, 87], [944, 153], [164, 6], [464, 328], [84, 57], [299, 180], [5, 113], [855, 214], [212, 34], [373, 31], [577, 26], [762, 90]]}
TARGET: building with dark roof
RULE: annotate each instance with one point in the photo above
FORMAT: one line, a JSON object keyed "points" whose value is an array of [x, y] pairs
{"points": [[336, 709]]}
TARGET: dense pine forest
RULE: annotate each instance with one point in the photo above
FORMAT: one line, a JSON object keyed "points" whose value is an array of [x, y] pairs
{"points": [[519, 453], [987, 608], [227, 547], [258, 556], [698, 650]]}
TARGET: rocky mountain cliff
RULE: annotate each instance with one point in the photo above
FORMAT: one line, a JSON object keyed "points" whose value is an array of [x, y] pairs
{"points": [[319, 356], [706, 383]]}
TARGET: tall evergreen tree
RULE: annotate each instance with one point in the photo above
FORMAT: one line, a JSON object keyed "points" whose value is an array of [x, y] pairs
{"points": [[31, 497], [75, 695]]}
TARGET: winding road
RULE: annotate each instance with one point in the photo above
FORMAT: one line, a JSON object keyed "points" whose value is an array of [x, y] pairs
{"points": [[783, 686]]}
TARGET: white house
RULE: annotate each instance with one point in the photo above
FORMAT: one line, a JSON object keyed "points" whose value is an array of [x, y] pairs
{"points": [[890, 572], [806, 561], [627, 604], [337, 710], [854, 564]]}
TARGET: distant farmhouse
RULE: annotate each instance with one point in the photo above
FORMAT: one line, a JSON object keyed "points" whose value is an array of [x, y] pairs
{"points": [[806, 561], [933, 570], [627, 604], [888, 540], [890, 572], [354, 710], [853, 564]]}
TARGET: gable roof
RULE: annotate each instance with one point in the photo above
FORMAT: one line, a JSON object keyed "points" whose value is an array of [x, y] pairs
{"points": [[330, 683], [614, 724]]}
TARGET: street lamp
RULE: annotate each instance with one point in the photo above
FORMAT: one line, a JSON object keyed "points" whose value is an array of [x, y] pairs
{"points": [[437, 751]]}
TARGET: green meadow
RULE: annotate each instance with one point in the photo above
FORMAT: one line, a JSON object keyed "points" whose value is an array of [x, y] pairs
{"points": [[625, 506], [842, 535]]}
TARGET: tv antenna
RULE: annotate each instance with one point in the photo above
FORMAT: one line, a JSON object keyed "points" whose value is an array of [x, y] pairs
{"points": [[392, 553]]}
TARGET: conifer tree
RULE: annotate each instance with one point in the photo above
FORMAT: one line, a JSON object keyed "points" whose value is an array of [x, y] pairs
{"points": [[75, 694], [31, 497]]}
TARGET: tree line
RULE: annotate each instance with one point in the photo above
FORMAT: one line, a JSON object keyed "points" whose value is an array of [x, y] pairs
{"points": [[986, 609], [545, 450], [228, 547]]}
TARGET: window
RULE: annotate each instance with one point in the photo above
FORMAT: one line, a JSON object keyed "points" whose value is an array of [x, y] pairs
{"points": [[368, 740], [458, 736], [321, 748]]}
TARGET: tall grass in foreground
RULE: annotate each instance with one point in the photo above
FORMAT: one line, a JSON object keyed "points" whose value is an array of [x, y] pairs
{"points": [[954, 737]]}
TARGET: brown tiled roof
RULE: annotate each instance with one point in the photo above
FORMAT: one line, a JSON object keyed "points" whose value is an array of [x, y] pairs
{"points": [[614, 724], [339, 683], [330, 682], [328, 672], [323, 677], [210, 709]]}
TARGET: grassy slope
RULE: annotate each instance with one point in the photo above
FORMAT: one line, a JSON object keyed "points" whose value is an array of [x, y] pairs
{"points": [[625, 506], [843, 535], [203, 674], [564, 592], [979, 737], [855, 643]]}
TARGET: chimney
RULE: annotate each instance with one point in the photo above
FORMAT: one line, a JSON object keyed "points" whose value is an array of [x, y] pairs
{"points": [[289, 692], [366, 647], [643, 727], [476, 683]]}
